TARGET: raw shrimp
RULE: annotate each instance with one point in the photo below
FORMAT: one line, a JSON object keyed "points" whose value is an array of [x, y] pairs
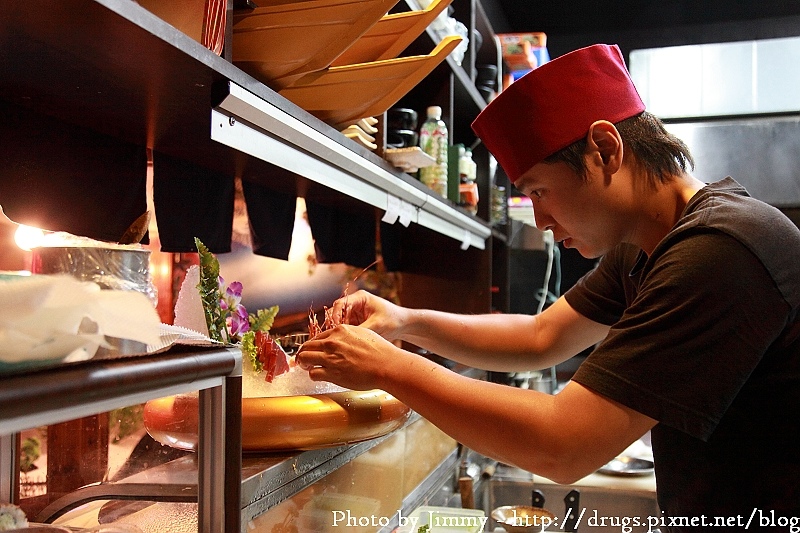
{"points": [[314, 328]]}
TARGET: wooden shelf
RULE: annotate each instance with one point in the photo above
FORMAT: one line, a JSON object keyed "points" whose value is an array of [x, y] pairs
{"points": [[113, 67]]}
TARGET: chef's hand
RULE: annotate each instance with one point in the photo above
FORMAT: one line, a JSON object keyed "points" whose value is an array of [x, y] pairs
{"points": [[365, 309], [350, 356]]}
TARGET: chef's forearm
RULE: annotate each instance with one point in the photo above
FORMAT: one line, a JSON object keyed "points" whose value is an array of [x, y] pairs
{"points": [[527, 429], [503, 342]]}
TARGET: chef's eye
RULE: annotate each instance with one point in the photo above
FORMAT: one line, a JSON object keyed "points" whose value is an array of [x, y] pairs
{"points": [[536, 193]]}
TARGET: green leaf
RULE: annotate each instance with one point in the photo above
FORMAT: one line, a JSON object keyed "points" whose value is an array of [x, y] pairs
{"points": [[209, 293], [249, 351], [263, 319], [30, 451]]}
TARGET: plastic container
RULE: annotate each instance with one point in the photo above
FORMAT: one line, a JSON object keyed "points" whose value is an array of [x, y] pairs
{"points": [[112, 267], [433, 139], [468, 189], [116, 267], [499, 211]]}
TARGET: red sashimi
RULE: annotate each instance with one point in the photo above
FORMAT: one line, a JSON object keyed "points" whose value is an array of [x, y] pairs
{"points": [[271, 355]]}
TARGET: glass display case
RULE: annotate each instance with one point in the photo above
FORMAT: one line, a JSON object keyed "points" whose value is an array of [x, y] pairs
{"points": [[68, 392]]}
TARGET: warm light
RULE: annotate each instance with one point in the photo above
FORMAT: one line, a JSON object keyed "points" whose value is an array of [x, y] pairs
{"points": [[302, 239], [28, 237]]}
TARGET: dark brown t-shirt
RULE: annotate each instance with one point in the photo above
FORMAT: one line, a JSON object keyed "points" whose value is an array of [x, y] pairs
{"points": [[705, 338]]}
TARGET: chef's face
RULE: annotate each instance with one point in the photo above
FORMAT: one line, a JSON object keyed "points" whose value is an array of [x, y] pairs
{"points": [[582, 213]]}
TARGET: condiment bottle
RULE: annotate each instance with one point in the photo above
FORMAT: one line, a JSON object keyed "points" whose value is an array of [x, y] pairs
{"points": [[433, 141], [468, 189]]}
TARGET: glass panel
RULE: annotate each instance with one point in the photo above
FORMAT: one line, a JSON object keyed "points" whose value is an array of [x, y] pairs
{"points": [[719, 79], [60, 461]]}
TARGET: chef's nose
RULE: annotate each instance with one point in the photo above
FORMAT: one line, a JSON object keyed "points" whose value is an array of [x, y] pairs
{"points": [[542, 220]]}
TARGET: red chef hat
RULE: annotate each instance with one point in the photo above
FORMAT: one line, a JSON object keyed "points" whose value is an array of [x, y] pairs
{"points": [[553, 106]]}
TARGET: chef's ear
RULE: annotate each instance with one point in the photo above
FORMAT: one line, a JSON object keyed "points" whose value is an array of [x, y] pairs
{"points": [[604, 146]]}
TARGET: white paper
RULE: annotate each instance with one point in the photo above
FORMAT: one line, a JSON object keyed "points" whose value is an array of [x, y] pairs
{"points": [[189, 312], [466, 240], [392, 209], [56, 316], [406, 213], [170, 335]]}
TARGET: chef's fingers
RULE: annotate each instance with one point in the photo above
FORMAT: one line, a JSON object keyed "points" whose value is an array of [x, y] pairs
{"points": [[307, 358], [353, 308], [312, 352], [349, 356], [319, 365], [318, 373]]}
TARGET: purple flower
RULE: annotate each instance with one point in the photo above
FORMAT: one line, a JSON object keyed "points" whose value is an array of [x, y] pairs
{"points": [[231, 295], [237, 318], [223, 303], [234, 290], [238, 322]]}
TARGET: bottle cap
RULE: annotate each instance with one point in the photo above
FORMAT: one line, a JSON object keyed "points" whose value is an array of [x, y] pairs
{"points": [[435, 111]]}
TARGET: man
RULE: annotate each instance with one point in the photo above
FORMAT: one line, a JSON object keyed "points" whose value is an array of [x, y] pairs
{"points": [[693, 311]]}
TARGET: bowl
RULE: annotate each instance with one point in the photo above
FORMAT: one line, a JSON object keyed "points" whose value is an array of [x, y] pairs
{"points": [[391, 35], [626, 465], [486, 92], [113, 267], [202, 20], [400, 118], [523, 518], [486, 76], [401, 138]]}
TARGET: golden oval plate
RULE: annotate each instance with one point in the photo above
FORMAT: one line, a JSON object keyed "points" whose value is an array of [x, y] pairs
{"points": [[284, 423]]}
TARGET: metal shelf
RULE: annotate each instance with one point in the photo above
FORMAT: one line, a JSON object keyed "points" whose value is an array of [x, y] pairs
{"points": [[113, 67], [69, 391], [254, 126]]}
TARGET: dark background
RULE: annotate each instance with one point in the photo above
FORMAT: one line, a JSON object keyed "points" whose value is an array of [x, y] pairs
{"points": [[635, 24]]}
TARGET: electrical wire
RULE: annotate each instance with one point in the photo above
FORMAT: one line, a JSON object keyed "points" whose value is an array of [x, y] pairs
{"points": [[549, 244], [553, 257], [551, 296]]}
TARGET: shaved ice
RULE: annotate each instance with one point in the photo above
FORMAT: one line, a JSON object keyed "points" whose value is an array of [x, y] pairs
{"points": [[292, 383]]}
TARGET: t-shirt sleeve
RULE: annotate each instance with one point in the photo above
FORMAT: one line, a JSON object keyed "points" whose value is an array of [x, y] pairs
{"points": [[603, 293], [705, 312]]}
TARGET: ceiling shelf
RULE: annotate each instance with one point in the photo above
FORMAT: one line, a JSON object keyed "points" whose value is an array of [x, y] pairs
{"points": [[113, 67]]}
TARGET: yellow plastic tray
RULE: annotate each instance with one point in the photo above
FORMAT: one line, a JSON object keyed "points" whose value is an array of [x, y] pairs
{"points": [[391, 35], [278, 43], [343, 95]]}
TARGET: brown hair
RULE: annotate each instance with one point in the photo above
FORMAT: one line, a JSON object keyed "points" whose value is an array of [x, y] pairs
{"points": [[659, 153]]}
